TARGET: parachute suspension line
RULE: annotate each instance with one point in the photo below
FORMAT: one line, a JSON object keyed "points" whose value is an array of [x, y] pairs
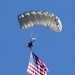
{"points": [[33, 32], [46, 31]]}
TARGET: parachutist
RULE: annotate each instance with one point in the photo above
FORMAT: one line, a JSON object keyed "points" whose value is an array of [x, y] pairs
{"points": [[30, 45]]}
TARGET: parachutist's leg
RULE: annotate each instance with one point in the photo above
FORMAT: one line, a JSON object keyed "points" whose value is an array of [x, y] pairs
{"points": [[30, 47], [27, 47]]}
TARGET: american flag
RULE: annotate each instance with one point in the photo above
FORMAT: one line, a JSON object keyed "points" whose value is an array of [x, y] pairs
{"points": [[36, 66]]}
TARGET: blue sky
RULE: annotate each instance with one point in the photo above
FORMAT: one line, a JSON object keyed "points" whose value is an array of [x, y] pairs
{"points": [[57, 50]]}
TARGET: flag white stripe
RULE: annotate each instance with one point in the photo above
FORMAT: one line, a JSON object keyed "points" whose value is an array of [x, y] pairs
{"points": [[36, 70], [33, 68], [36, 66], [40, 62]]}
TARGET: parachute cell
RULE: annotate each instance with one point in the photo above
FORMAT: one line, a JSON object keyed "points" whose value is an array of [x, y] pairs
{"points": [[34, 18]]}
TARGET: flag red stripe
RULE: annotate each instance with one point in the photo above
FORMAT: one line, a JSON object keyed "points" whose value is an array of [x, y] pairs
{"points": [[37, 70], [36, 66], [42, 65]]}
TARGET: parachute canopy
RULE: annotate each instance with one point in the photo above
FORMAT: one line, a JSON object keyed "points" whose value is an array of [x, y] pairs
{"points": [[33, 18]]}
